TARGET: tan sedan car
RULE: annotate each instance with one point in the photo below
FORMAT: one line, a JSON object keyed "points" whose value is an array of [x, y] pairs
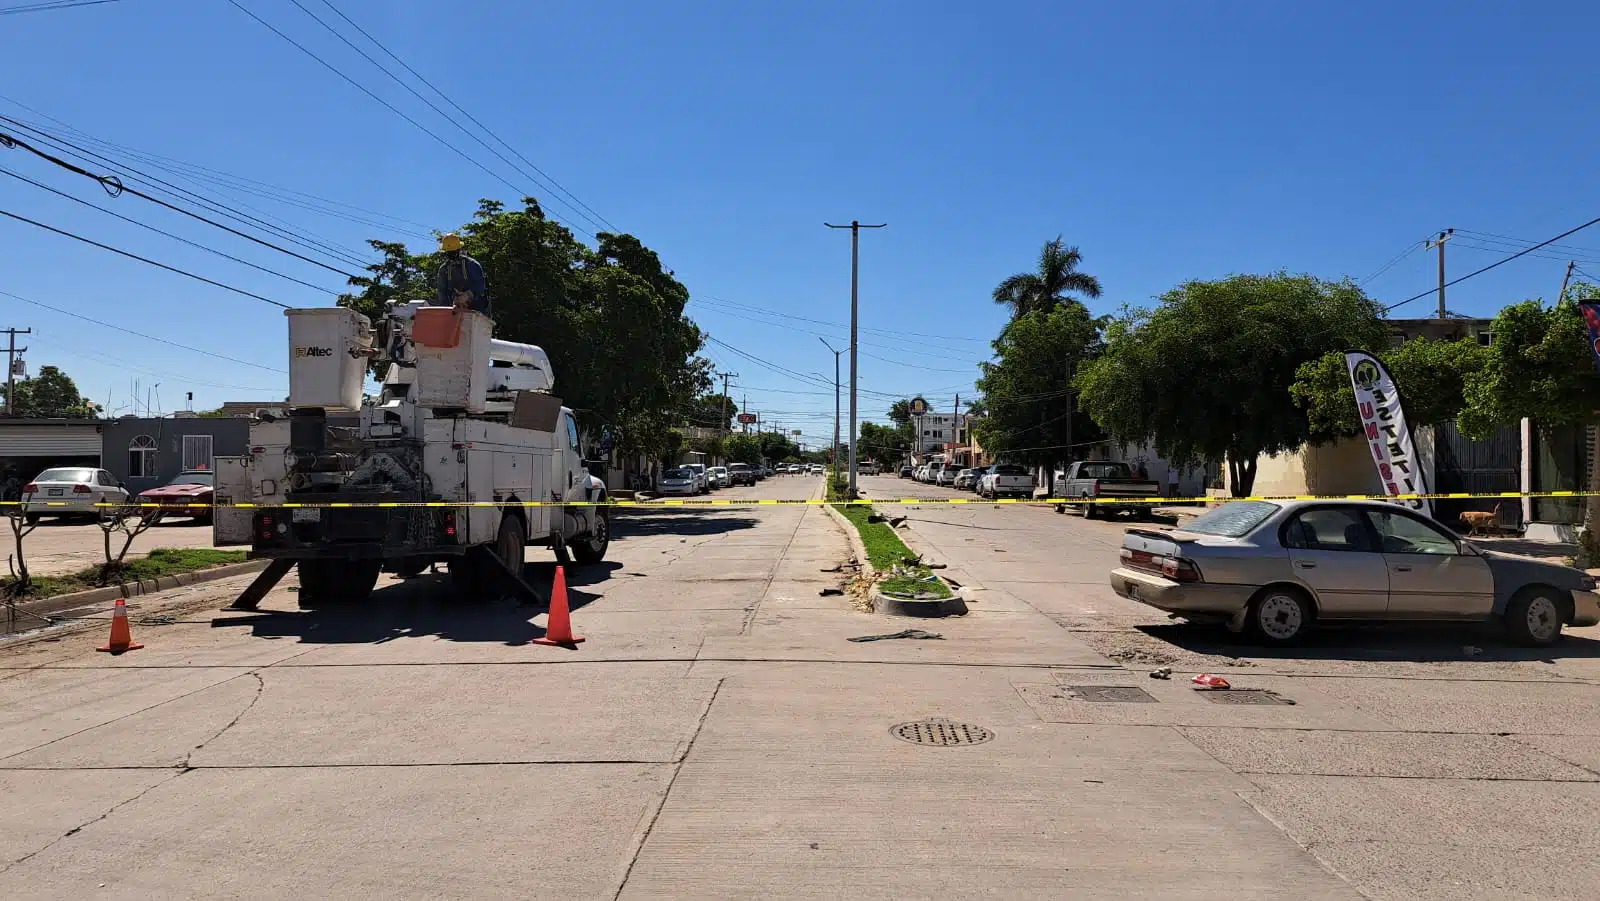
{"points": [[1275, 569]]}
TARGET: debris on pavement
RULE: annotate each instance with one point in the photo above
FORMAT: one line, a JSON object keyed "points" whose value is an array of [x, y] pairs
{"points": [[1239, 662], [830, 592], [897, 521], [1164, 672], [937, 565], [1208, 682], [1471, 650], [1140, 656], [951, 582], [837, 567], [908, 633]]}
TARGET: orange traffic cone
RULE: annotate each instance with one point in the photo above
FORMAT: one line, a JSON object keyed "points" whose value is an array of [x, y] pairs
{"points": [[121, 639], [558, 631]]}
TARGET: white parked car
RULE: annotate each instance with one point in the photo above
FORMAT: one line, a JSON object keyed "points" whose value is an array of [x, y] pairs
{"points": [[719, 477], [71, 491], [680, 480], [946, 474], [701, 477]]}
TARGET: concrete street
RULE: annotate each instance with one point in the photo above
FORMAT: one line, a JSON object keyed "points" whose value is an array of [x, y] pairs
{"points": [[717, 736]]}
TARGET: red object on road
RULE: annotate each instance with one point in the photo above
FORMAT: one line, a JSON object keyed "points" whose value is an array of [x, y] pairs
{"points": [[1208, 682], [121, 637], [558, 629]]}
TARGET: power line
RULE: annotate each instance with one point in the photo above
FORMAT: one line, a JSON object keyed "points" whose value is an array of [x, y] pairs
{"points": [[1415, 246], [597, 223], [63, 348], [1520, 241], [703, 298], [114, 186], [130, 331], [167, 233], [1495, 265], [389, 106], [49, 6], [134, 256]]}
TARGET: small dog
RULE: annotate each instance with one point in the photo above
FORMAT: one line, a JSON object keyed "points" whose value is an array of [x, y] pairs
{"points": [[1481, 523]]}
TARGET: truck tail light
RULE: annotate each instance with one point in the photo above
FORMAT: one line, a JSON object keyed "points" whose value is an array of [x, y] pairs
{"points": [[81, 489], [1095, 490], [447, 524], [264, 526]]}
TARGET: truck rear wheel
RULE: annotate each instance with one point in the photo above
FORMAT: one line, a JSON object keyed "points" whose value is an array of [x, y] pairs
{"points": [[327, 582], [591, 548], [510, 545]]}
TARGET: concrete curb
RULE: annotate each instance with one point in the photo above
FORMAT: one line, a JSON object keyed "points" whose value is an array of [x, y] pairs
{"points": [[856, 547], [893, 606], [46, 606]]}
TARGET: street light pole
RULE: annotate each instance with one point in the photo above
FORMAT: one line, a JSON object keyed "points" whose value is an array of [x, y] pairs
{"points": [[836, 354], [855, 227]]}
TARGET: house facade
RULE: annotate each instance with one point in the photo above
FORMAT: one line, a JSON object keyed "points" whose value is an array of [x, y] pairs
{"points": [[938, 431], [145, 453]]}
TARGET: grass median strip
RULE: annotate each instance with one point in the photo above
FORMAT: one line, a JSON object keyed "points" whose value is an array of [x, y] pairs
{"points": [[902, 576], [163, 561]]}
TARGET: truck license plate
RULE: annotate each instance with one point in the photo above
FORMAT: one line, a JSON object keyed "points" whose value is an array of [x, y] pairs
{"points": [[306, 514]]}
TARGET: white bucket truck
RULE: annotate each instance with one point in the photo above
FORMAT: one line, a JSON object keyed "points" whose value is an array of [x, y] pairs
{"points": [[464, 457]]}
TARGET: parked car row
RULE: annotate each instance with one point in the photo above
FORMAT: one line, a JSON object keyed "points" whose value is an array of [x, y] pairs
{"points": [[998, 480], [84, 492], [698, 478]]}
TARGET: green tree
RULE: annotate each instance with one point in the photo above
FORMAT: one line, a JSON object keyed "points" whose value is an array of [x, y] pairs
{"points": [[713, 411], [1049, 286], [50, 394], [611, 318], [743, 449], [884, 443], [1032, 417], [1432, 377], [1540, 366], [1205, 375], [669, 447]]}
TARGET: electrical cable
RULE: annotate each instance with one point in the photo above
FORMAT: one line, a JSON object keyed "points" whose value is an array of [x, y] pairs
{"points": [[49, 6], [1394, 262], [1495, 265], [392, 108], [130, 331], [59, 347], [134, 256], [469, 116], [167, 233], [435, 107], [114, 186]]}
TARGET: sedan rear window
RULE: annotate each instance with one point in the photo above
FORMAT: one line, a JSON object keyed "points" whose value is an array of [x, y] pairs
{"points": [[66, 475], [1231, 520]]}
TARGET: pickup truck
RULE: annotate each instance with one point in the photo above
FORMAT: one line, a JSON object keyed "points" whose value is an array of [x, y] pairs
{"points": [[1005, 479], [1100, 478]]}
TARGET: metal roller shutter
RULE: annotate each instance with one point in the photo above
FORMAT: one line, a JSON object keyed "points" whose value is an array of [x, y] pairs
{"points": [[50, 440]]}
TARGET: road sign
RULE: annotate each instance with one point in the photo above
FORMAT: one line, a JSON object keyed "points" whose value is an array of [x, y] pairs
{"points": [[919, 407], [747, 418], [797, 432]]}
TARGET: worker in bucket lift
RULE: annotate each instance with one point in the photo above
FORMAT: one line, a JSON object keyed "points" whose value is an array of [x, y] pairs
{"points": [[461, 283]]}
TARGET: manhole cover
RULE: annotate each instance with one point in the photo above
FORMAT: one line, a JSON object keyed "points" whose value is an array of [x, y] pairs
{"points": [[941, 732], [1109, 694], [1245, 696]]}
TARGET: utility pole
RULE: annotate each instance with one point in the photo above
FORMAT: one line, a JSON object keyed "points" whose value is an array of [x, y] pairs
{"points": [[955, 425], [1438, 242], [726, 400], [836, 354], [855, 227], [1566, 280], [745, 407], [11, 367]]}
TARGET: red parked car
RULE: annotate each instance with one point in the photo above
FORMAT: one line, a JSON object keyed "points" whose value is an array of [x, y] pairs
{"points": [[197, 487]]}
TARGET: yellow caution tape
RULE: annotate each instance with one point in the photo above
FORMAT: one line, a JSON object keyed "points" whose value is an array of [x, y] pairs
{"points": [[904, 501]]}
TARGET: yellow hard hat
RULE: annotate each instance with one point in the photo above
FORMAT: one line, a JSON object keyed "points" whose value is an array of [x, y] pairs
{"points": [[450, 242]]}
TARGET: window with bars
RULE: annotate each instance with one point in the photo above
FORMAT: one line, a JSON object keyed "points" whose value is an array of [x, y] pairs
{"points": [[142, 457], [196, 452]]}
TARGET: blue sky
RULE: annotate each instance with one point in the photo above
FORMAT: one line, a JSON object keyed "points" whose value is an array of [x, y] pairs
{"points": [[1167, 141]]}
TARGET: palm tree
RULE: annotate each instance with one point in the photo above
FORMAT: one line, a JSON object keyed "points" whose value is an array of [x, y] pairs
{"points": [[1047, 288]]}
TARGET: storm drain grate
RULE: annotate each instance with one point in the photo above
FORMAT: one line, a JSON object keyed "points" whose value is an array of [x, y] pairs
{"points": [[1255, 696], [1109, 694], [941, 733]]}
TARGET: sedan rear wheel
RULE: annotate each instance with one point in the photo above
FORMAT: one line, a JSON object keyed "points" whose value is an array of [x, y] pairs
{"points": [[1279, 615]]}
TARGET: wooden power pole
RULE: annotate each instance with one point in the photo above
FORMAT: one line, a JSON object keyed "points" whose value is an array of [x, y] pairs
{"points": [[11, 366]]}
